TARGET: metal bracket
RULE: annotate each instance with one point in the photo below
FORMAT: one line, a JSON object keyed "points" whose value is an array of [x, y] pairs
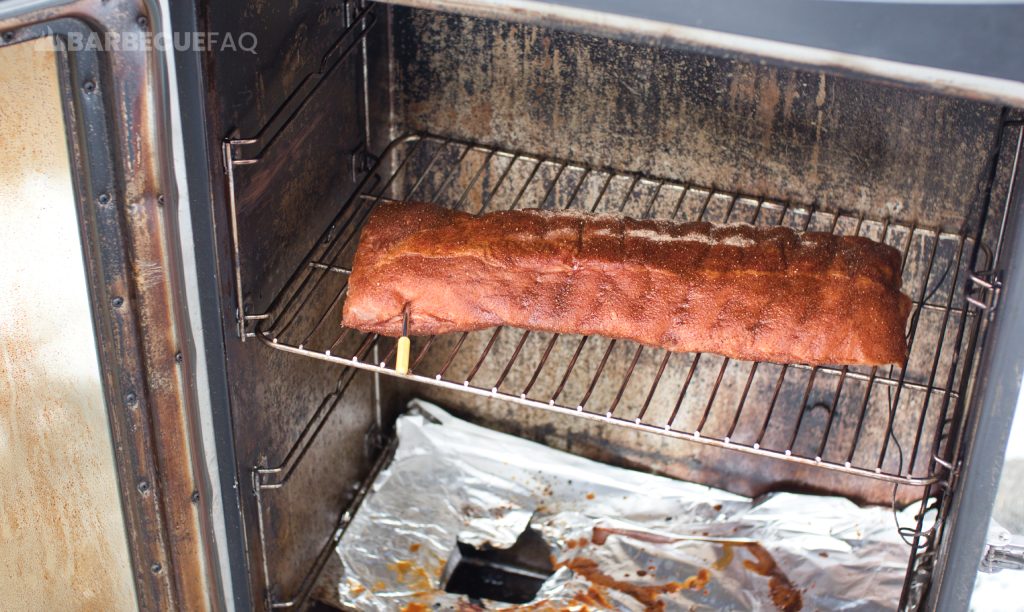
{"points": [[229, 160], [1003, 550], [983, 290], [362, 161]]}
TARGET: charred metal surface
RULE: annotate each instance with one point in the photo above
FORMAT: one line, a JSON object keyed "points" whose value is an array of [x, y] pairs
{"points": [[795, 135], [115, 104], [285, 202], [291, 40], [296, 524], [287, 199], [692, 25]]}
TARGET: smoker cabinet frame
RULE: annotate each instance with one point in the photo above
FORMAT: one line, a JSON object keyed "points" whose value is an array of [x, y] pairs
{"points": [[267, 319], [192, 523]]}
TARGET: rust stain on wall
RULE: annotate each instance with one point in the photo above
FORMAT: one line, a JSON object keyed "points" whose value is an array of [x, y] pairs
{"points": [[62, 540]]}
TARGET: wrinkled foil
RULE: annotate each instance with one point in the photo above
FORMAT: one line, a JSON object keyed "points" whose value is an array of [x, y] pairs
{"points": [[620, 539]]}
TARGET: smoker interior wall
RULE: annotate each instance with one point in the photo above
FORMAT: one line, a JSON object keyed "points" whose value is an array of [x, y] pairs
{"points": [[803, 136], [285, 203]]}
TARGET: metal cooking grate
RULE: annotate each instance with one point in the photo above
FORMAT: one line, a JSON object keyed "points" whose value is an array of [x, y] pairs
{"points": [[883, 422]]}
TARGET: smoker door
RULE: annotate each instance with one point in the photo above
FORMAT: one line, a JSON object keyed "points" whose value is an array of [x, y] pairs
{"points": [[58, 501], [148, 487]]}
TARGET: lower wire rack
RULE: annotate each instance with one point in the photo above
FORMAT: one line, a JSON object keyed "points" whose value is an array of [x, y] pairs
{"points": [[888, 423]]}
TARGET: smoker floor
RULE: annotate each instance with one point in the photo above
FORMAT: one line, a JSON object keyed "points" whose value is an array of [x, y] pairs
{"points": [[886, 423]]}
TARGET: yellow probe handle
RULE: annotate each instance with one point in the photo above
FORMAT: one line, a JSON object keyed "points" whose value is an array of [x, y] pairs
{"points": [[402, 355]]}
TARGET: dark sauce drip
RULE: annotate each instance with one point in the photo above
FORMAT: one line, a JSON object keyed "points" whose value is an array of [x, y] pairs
{"points": [[784, 593], [648, 595]]}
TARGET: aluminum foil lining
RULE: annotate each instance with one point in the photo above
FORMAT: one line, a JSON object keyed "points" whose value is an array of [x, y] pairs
{"points": [[620, 539]]}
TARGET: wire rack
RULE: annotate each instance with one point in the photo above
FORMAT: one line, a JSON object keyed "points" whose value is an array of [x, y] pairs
{"points": [[888, 423]]}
